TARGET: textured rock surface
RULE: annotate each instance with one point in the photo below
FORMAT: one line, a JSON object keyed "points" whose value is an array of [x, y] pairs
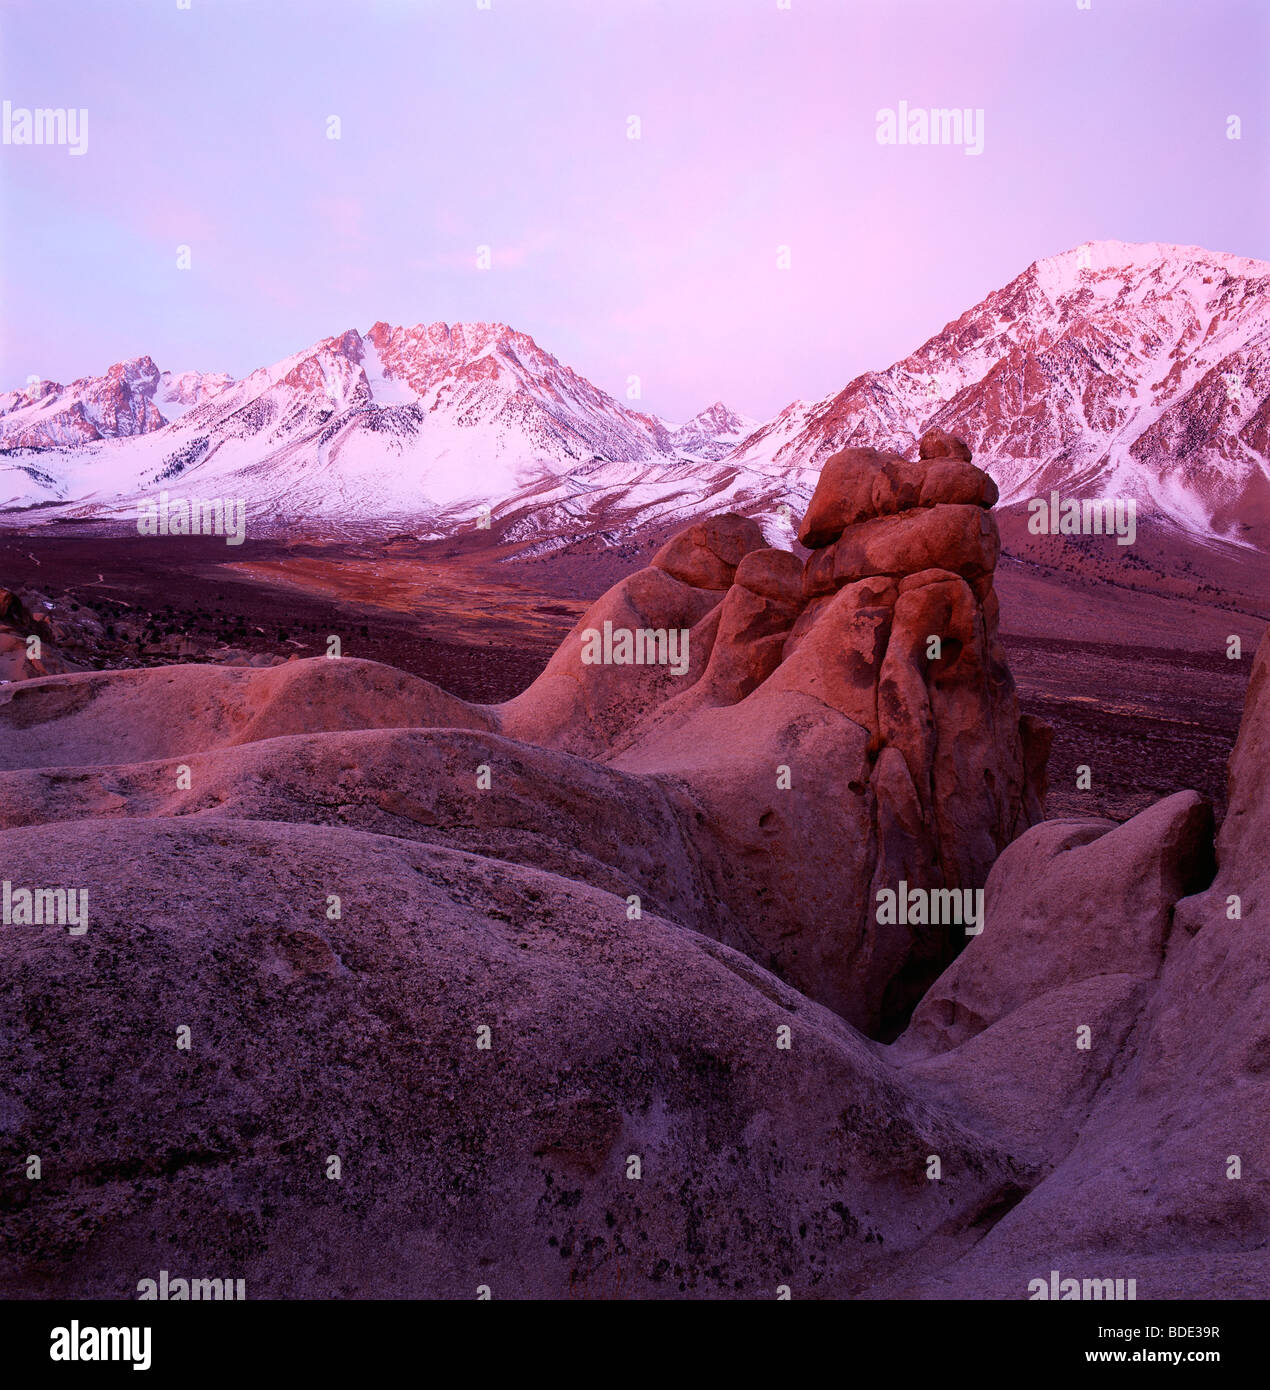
{"points": [[160, 712], [19, 660], [706, 555], [857, 484], [508, 1166], [937, 443], [1157, 1125]]}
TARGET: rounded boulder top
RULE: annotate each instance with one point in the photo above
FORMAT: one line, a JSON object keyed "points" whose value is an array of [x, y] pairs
{"points": [[939, 444], [707, 553], [862, 484]]}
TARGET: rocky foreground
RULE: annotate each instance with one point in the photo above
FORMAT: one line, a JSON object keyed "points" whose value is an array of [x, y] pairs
{"points": [[588, 995]]}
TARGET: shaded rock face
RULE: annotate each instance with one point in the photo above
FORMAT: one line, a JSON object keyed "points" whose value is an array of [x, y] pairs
{"points": [[1114, 888], [937, 443], [634, 1128], [18, 656], [1110, 1024]]}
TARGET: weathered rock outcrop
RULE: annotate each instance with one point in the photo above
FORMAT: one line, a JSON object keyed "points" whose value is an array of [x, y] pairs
{"points": [[20, 658], [1110, 1023], [838, 726], [523, 1089], [858, 484], [816, 732], [118, 717]]}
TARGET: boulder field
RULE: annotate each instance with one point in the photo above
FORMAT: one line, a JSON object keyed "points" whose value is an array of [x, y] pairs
{"points": [[586, 995]]}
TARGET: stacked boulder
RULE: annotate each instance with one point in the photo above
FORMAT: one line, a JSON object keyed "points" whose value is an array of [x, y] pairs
{"points": [[900, 578], [841, 726]]}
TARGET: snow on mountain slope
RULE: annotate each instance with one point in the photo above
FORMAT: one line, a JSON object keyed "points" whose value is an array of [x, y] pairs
{"points": [[176, 395], [713, 432], [48, 415], [401, 422], [1115, 369], [132, 398]]}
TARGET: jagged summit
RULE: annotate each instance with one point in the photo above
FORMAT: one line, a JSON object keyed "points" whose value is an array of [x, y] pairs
{"points": [[713, 432], [1113, 368]]}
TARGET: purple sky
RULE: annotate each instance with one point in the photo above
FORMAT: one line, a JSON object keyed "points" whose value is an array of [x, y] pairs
{"points": [[656, 257]]}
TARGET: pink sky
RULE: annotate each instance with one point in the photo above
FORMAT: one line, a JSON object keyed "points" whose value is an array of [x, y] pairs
{"points": [[655, 257]]}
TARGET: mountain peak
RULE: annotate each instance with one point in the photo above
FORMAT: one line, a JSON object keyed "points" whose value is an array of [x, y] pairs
{"points": [[1114, 368], [713, 432], [1132, 260]]}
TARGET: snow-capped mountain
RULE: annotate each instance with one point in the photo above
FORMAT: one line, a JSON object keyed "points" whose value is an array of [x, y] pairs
{"points": [[131, 398], [177, 395], [398, 422], [1114, 369], [713, 432]]}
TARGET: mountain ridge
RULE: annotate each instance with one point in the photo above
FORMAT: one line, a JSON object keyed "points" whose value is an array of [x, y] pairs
{"points": [[1028, 376], [1115, 368]]}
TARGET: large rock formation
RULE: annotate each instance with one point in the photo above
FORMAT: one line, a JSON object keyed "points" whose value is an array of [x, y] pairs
{"points": [[523, 1089], [814, 732], [838, 727]]}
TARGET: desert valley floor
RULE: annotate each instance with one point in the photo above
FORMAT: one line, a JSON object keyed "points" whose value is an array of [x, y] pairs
{"points": [[1135, 680]]}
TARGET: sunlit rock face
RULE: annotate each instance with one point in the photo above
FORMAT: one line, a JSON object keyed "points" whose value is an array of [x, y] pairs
{"points": [[843, 726]]}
